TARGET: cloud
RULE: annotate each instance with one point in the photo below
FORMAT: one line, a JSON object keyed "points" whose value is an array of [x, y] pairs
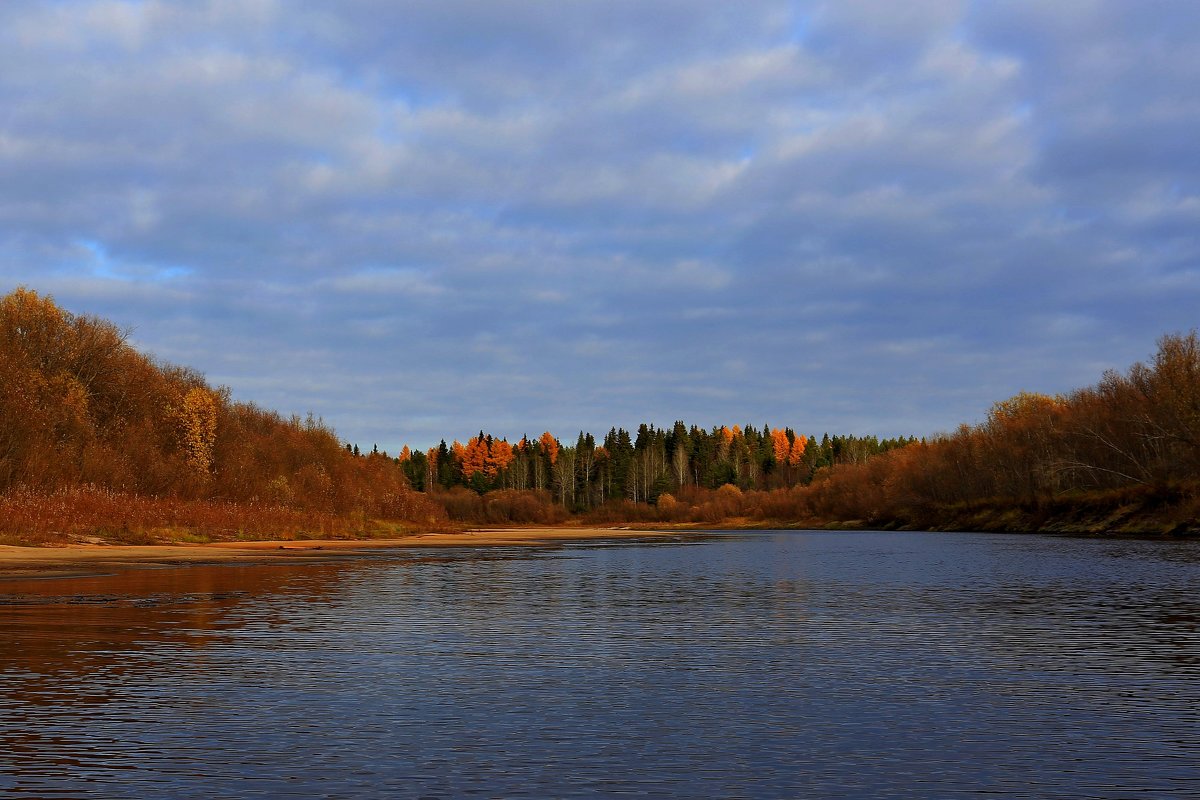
{"points": [[854, 216]]}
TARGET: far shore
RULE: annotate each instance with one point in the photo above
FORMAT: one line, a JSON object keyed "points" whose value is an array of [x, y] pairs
{"points": [[90, 559]]}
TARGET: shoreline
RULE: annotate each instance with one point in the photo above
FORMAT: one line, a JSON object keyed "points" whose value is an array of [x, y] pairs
{"points": [[79, 560]]}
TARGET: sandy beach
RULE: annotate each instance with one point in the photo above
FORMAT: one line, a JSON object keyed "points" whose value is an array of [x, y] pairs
{"points": [[88, 559]]}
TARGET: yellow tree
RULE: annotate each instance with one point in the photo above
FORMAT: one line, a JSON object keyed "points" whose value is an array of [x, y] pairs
{"points": [[431, 469], [797, 452], [197, 417], [35, 328], [781, 446]]}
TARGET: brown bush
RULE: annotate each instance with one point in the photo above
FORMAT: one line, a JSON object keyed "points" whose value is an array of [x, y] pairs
{"points": [[513, 506], [501, 507]]}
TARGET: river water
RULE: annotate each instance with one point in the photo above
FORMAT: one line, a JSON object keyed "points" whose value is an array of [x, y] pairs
{"points": [[773, 664]]}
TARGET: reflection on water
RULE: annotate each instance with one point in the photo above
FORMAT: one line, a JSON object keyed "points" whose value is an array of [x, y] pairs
{"points": [[758, 665]]}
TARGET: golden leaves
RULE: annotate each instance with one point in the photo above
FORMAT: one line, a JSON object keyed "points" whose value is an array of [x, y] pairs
{"points": [[799, 444], [197, 419], [780, 445], [31, 323]]}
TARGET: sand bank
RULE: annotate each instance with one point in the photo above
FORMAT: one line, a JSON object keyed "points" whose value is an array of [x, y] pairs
{"points": [[85, 559]]}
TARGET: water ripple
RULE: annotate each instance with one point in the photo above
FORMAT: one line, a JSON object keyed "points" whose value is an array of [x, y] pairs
{"points": [[764, 665]]}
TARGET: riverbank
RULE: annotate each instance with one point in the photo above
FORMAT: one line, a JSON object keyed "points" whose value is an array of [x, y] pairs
{"points": [[1142, 511], [1161, 512], [90, 559]]}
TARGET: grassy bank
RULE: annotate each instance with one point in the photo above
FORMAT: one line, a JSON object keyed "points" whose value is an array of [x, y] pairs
{"points": [[96, 515]]}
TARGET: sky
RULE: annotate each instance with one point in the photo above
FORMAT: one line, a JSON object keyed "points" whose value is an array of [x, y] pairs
{"points": [[419, 219]]}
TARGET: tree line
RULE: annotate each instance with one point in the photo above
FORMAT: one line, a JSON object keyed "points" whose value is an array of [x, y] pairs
{"points": [[80, 407], [94, 434], [633, 469], [641, 467]]}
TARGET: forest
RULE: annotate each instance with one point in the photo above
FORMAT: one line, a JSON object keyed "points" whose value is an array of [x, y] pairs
{"points": [[623, 477], [99, 440]]}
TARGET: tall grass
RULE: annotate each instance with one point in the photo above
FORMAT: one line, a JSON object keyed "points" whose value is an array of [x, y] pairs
{"points": [[71, 513]]}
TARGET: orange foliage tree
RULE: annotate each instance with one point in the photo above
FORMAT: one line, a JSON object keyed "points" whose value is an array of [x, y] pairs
{"points": [[500, 456], [474, 455], [781, 447], [796, 454], [549, 446]]}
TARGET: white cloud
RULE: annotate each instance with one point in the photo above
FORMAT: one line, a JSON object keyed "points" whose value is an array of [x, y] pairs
{"points": [[459, 189], [392, 282]]}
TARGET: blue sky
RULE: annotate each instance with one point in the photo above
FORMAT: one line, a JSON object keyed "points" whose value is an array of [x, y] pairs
{"points": [[419, 219]]}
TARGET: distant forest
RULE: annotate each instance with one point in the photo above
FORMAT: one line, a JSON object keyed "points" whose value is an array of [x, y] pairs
{"points": [[1123, 455], [98, 440], [638, 468]]}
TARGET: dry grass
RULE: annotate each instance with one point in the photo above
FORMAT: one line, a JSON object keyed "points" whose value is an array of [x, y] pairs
{"points": [[83, 512]]}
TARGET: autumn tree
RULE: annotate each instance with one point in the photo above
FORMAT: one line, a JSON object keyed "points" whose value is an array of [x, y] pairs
{"points": [[549, 447], [1020, 433], [474, 455], [796, 454], [500, 457], [781, 447], [431, 469], [197, 419]]}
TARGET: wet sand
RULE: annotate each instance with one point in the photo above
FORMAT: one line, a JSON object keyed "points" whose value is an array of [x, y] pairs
{"points": [[91, 559]]}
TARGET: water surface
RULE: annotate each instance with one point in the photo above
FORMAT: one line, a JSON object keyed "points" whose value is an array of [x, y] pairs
{"points": [[782, 664]]}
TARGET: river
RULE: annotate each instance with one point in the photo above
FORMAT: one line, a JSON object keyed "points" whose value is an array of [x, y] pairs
{"points": [[766, 664]]}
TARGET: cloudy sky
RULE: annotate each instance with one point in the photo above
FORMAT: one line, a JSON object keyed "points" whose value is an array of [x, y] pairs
{"points": [[419, 219]]}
